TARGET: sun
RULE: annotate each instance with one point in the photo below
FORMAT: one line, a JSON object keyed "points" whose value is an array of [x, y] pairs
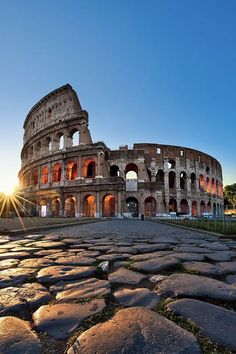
{"points": [[8, 189]]}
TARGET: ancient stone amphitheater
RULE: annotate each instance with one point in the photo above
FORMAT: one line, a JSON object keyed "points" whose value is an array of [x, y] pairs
{"points": [[64, 173]]}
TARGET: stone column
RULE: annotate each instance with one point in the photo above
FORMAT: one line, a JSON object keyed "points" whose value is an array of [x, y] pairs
{"points": [[80, 167], [79, 206], [119, 211], [98, 213]]}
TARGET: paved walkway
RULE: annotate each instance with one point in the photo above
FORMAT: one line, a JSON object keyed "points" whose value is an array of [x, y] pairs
{"points": [[117, 287]]}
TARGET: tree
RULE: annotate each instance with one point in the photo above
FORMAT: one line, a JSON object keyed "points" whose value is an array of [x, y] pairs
{"points": [[230, 194]]}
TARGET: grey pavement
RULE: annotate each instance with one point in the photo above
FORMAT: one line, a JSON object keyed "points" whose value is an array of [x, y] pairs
{"points": [[115, 287]]}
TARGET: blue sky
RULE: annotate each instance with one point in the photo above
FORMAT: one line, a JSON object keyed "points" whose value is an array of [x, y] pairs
{"points": [[161, 71]]}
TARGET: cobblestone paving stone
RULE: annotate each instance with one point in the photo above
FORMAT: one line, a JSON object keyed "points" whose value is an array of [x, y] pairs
{"points": [[92, 289]]}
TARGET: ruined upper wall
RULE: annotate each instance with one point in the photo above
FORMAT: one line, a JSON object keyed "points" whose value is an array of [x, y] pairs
{"points": [[59, 105]]}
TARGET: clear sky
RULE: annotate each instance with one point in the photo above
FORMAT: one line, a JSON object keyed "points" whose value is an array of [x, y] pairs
{"points": [[160, 71]]}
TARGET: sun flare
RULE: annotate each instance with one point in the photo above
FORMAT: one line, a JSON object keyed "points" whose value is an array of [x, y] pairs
{"points": [[8, 189]]}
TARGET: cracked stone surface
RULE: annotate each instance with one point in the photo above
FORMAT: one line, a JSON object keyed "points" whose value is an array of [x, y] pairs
{"points": [[213, 321], [53, 281], [16, 337], [60, 320], [136, 330]]}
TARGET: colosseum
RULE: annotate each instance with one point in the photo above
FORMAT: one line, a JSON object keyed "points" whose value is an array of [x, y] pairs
{"points": [[65, 174]]}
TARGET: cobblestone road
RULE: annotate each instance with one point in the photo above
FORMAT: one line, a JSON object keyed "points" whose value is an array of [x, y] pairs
{"points": [[117, 287]]}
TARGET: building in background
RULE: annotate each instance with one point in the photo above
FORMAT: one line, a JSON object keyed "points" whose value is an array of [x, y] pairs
{"points": [[64, 173]]}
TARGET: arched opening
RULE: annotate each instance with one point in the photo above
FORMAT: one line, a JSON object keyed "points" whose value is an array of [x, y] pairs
{"points": [[214, 209], [150, 207], [89, 169], [74, 134], [89, 206], [171, 179], [132, 206], [35, 177], [43, 207], [71, 171], [184, 206], [44, 175], [183, 180], [209, 207], [208, 187], [172, 205], [114, 171], [213, 186], [56, 172], [171, 164], [131, 171], [33, 208], [201, 182], [149, 175], [108, 206], [55, 209], [160, 177], [61, 141], [217, 187], [70, 207], [38, 149], [194, 208], [193, 181], [48, 145], [202, 207]]}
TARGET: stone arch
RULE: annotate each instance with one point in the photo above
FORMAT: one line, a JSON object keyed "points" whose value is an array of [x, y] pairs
{"points": [[214, 209], [193, 181], [150, 207], [35, 176], [183, 180], [202, 207], [160, 177], [56, 172], [132, 206], [44, 175], [172, 180], [213, 186], [70, 207], [55, 207], [201, 182], [131, 171], [184, 208], [108, 206], [114, 171], [47, 145], [209, 207], [89, 169], [171, 164], [71, 171], [208, 187], [38, 148], [61, 141], [89, 206], [74, 136], [194, 208], [172, 205]]}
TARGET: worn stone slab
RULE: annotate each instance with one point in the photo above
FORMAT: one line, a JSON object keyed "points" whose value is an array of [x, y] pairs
{"points": [[151, 247], [136, 330], [137, 297], [215, 246], [223, 256], [48, 244], [189, 256], [8, 263], [214, 322], [14, 255], [126, 276], [83, 253], [60, 320], [229, 266], [204, 268], [231, 279], [146, 256], [114, 257], [191, 249], [36, 263], [80, 289], [16, 337], [189, 285], [115, 249], [75, 260], [156, 265], [14, 276], [22, 299], [54, 274]]}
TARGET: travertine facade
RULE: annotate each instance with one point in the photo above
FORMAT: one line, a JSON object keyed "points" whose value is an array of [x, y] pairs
{"points": [[65, 174]]}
